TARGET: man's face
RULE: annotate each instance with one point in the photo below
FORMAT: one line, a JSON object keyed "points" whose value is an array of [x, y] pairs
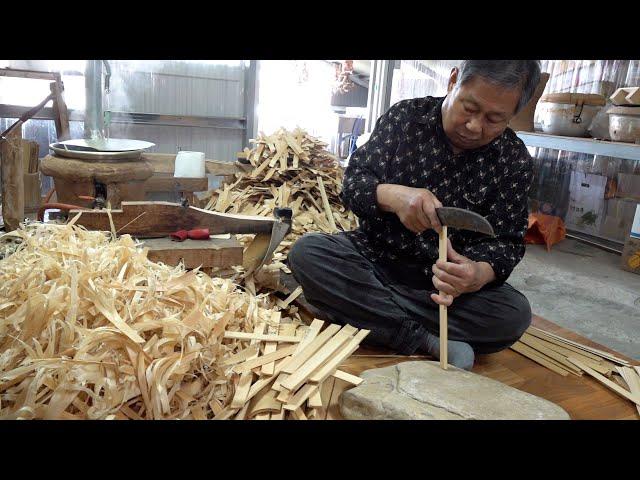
{"points": [[475, 113]]}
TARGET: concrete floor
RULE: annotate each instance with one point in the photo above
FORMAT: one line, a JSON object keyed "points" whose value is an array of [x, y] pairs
{"points": [[583, 288]]}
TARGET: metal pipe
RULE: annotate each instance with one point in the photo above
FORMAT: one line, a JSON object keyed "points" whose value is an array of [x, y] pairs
{"points": [[93, 119]]}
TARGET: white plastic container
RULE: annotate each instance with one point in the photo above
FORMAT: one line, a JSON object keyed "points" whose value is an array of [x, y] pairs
{"points": [[189, 165]]}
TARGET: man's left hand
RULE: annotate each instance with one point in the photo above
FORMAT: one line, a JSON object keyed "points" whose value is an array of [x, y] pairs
{"points": [[459, 275]]}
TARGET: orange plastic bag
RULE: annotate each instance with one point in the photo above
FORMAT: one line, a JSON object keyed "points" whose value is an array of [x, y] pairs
{"points": [[545, 229]]}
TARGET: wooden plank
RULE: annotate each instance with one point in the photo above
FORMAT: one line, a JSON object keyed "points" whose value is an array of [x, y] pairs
{"points": [[298, 414], [347, 377], [633, 381], [168, 183], [333, 409], [270, 347], [242, 355], [240, 399], [212, 253], [315, 399], [265, 359], [310, 335], [301, 375], [300, 397], [161, 219], [295, 294], [600, 353], [538, 345], [303, 355], [568, 350], [538, 358], [36, 74], [325, 394], [262, 337], [328, 368], [608, 383]]}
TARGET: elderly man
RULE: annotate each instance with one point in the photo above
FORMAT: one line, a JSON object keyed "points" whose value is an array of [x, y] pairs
{"points": [[425, 153]]}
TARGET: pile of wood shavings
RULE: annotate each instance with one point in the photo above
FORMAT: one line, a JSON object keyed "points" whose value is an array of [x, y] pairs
{"points": [[288, 169], [90, 328]]}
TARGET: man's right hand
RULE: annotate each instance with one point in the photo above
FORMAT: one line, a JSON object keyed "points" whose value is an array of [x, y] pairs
{"points": [[415, 207]]}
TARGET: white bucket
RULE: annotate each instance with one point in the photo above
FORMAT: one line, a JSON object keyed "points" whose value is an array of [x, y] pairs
{"points": [[189, 165]]}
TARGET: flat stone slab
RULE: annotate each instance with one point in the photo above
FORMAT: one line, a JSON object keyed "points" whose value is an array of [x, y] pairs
{"points": [[422, 390]]}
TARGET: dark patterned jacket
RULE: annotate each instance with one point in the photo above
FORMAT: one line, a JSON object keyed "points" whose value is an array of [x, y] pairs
{"points": [[409, 147]]}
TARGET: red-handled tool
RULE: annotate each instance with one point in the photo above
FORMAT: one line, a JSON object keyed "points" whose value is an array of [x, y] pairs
{"points": [[195, 234]]}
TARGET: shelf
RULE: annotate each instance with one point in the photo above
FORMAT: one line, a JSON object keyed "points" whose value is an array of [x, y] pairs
{"points": [[629, 151]]}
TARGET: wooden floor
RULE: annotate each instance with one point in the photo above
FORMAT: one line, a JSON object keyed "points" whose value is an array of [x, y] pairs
{"points": [[582, 397]]}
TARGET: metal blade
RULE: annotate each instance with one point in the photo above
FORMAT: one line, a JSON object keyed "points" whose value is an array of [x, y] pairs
{"points": [[464, 220]]}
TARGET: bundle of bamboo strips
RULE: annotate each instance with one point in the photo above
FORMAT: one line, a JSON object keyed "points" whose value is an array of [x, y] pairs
{"points": [[288, 169], [566, 357], [91, 329]]}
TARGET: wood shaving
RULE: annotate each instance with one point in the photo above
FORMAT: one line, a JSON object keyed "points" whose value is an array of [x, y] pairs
{"points": [[92, 329]]}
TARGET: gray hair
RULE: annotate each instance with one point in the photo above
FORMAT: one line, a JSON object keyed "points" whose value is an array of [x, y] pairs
{"points": [[524, 74]]}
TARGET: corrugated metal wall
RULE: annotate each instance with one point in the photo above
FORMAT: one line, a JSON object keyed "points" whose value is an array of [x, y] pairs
{"points": [[180, 88]]}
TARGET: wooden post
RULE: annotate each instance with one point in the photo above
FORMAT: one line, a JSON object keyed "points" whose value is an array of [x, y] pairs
{"points": [[60, 111], [12, 180], [443, 309]]}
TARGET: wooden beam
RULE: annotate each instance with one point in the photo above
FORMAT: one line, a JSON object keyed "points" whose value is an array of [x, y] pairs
{"points": [[34, 74], [328, 368]]}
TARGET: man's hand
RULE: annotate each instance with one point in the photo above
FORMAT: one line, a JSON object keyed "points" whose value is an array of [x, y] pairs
{"points": [[459, 275], [415, 207]]}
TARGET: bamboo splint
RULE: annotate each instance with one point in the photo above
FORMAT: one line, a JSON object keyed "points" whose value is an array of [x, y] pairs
{"points": [[564, 356]]}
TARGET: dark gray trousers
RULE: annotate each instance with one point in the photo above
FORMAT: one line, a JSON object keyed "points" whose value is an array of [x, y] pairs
{"points": [[348, 288]]}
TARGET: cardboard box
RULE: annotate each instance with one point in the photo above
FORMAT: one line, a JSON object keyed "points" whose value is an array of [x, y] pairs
{"points": [[631, 252], [586, 202]]}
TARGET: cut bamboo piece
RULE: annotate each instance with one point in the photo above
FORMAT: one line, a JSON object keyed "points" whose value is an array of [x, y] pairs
{"points": [[300, 357], [240, 399], [264, 359], [538, 345], [295, 294], [261, 337], [444, 329], [633, 381], [608, 383], [300, 397], [330, 367], [270, 347], [327, 206], [595, 351], [347, 377], [298, 414], [315, 399], [301, 375], [538, 358]]}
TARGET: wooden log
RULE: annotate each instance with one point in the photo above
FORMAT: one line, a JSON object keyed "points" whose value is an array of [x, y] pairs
{"points": [[12, 180]]}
